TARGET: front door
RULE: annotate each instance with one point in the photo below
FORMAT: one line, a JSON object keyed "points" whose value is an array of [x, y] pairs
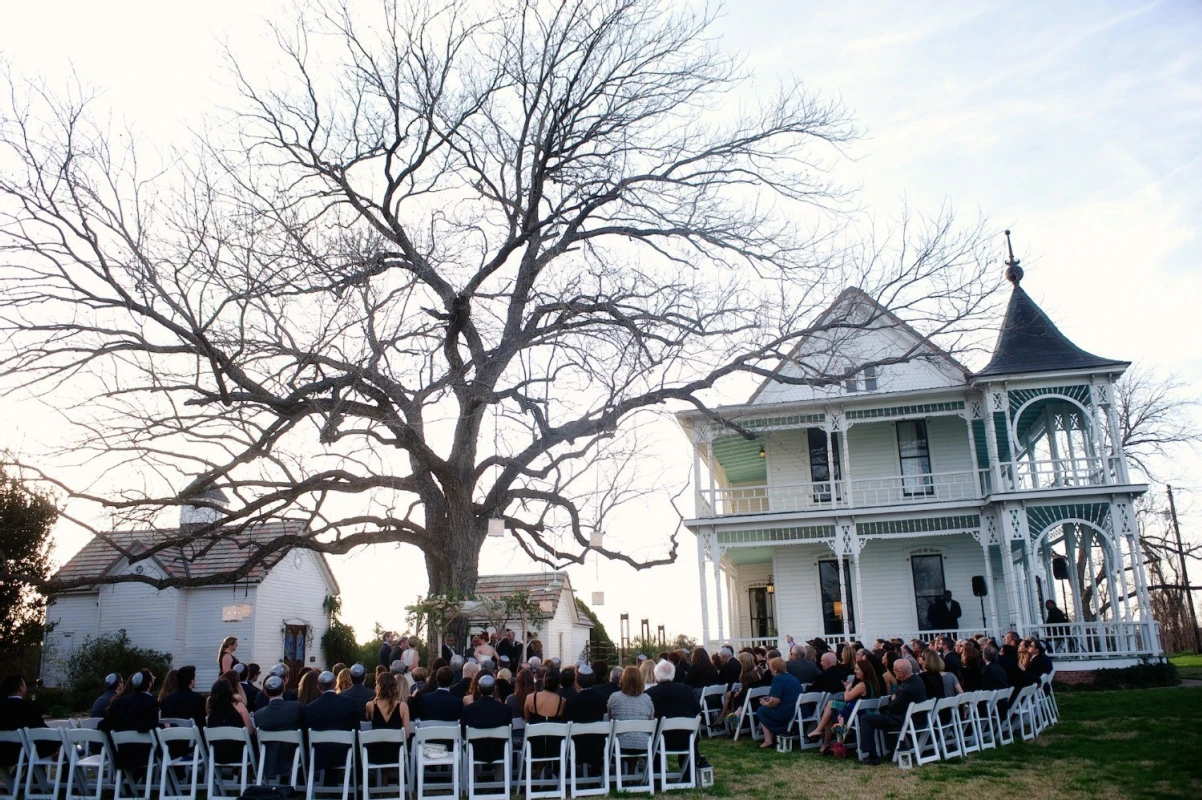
{"points": [[832, 606], [763, 625], [928, 588], [294, 647]]}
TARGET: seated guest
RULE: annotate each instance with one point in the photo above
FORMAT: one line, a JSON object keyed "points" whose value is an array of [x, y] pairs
{"points": [[523, 687], [847, 661], [734, 700], [441, 704], [588, 705], [567, 683], [170, 684], [937, 683], [307, 690], [800, 667], [112, 687], [224, 710], [864, 685], [418, 677], [249, 690], [970, 667], [468, 671], [358, 693], [610, 686], [504, 686], [1039, 663], [342, 680], [731, 669], [993, 677], [909, 690], [330, 712], [777, 708], [831, 679], [951, 658], [387, 710], [1008, 660], [487, 712], [701, 672], [235, 679], [17, 713], [545, 705], [184, 702], [888, 678], [278, 715], [630, 702], [672, 699], [647, 670], [280, 671], [135, 709]]}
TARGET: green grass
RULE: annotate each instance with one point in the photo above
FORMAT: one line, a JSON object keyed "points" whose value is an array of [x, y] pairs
{"points": [[1189, 665], [1138, 743]]}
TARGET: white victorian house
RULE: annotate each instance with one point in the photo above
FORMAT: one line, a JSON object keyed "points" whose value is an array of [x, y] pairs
{"points": [[855, 506], [276, 611]]}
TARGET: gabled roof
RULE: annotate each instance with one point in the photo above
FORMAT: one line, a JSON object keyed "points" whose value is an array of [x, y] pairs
{"points": [[544, 587], [1030, 342], [99, 556], [848, 301]]}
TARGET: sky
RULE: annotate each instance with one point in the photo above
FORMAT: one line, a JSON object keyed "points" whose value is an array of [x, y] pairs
{"points": [[1079, 126]]}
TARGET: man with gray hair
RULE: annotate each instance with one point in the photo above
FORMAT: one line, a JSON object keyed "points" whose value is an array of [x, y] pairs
{"points": [[470, 670], [800, 667], [910, 689], [672, 699], [731, 669]]}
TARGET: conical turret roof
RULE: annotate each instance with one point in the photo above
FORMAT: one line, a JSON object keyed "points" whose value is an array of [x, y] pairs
{"points": [[1030, 342]]}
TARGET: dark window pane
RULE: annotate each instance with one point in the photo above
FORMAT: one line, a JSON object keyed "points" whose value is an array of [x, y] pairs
{"points": [[928, 587], [832, 616]]}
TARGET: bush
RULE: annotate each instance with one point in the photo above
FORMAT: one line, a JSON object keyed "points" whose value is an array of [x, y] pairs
{"points": [[338, 644], [1141, 676], [85, 669]]}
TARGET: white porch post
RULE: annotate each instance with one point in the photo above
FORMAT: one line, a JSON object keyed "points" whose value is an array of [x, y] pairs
{"points": [[851, 496], [995, 461], [840, 539], [1013, 592], [858, 592], [1049, 424], [972, 451], [1071, 547], [1011, 438], [705, 610], [709, 459], [1116, 440], [1094, 425], [992, 623], [830, 465], [716, 555], [697, 504]]}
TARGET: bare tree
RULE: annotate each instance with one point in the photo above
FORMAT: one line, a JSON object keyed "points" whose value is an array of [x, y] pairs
{"points": [[441, 265], [1157, 419]]}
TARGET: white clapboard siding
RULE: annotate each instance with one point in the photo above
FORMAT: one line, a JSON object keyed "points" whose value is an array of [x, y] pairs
{"points": [[145, 613], [788, 456], [205, 630], [887, 582], [873, 449], [73, 617], [947, 439], [796, 576], [291, 594]]}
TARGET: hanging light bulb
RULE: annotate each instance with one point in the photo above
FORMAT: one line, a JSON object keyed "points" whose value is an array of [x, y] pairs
{"points": [[496, 526], [596, 538]]}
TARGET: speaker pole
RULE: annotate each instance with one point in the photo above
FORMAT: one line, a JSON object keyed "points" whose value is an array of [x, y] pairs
{"points": [[984, 624]]}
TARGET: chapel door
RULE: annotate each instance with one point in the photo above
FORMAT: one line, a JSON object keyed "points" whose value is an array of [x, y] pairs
{"points": [[294, 647]]}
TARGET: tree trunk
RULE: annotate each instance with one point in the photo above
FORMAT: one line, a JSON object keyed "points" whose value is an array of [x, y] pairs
{"points": [[455, 567]]}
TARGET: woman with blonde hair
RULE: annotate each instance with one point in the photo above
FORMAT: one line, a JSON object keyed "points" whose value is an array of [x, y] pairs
{"points": [[847, 659], [647, 670], [225, 655], [747, 681], [343, 681]]}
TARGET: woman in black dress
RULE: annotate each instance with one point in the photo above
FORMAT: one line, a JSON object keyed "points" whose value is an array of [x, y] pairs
{"points": [[225, 710], [225, 655], [545, 706], [387, 711]]}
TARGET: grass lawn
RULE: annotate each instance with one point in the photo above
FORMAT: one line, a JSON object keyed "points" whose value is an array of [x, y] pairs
{"points": [[1144, 743], [1189, 665]]}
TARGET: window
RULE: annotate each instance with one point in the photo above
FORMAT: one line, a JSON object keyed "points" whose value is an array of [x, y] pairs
{"points": [[928, 588], [760, 606], [819, 467], [294, 645], [915, 458], [869, 375], [870, 379], [832, 608]]}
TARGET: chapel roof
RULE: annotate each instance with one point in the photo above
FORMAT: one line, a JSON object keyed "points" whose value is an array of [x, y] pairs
{"points": [[1030, 342], [544, 587]]}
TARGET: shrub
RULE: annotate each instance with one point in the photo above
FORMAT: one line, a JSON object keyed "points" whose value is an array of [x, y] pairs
{"points": [[1142, 676], [338, 644], [85, 668]]}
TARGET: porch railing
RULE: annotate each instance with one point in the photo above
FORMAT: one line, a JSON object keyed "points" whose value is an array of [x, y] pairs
{"points": [[1100, 639], [1052, 473], [778, 498]]}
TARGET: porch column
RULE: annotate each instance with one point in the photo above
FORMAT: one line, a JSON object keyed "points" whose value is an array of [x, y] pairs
{"points": [[1049, 424], [1116, 440], [705, 610], [972, 450], [1094, 425], [841, 534], [1071, 546], [1007, 553], [851, 496], [716, 556], [1010, 437], [858, 593], [830, 466], [709, 458], [697, 485], [991, 625], [995, 463]]}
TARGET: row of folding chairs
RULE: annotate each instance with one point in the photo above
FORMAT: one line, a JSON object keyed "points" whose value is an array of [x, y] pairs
{"points": [[547, 760]]}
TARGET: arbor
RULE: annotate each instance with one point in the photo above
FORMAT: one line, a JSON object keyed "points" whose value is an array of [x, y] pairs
{"points": [[443, 263], [26, 518]]}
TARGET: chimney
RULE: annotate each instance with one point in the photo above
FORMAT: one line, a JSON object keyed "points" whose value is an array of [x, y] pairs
{"points": [[206, 511]]}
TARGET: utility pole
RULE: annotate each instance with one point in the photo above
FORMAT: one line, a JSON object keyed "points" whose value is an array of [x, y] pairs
{"points": [[1193, 615]]}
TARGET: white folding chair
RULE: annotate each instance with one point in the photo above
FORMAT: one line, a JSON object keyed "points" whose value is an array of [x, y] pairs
{"points": [[946, 723], [81, 742], [711, 710], [1001, 719], [316, 784], [1053, 708], [686, 776], [175, 722], [91, 723], [626, 760], [1022, 713], [426, 757], [383, 787], [478, 789], [519, 737], [1039, 708], [916, 739], [134, 779], [863, 706], [986, 733], [61, 723], [44, 771], [970, 739], [13, 776], [273, 741], [556, 785], [747, 713], [582, 783], [806, 716], [190, 763], [242, 769]]}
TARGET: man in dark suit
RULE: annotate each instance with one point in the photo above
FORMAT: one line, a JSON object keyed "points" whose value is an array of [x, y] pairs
{"points": [[330, 712], [464, 685], [993, 677], [278, 715], [800, 667], [440, 704], [112, 688], [487, 712], [17, 713], [448, 648], [567, 685], [588, 705], [831, 678], [909, 690], [1039, 663], [135, 709], [1008, 661], [386, 642], [731, 669], [185, 702], [672, 699], [951, 659], [358, 693], [610, 686], [953, 611]]}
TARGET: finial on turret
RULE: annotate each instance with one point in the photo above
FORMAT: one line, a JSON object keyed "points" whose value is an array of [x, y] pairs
{"points": [[1014, 273]]}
